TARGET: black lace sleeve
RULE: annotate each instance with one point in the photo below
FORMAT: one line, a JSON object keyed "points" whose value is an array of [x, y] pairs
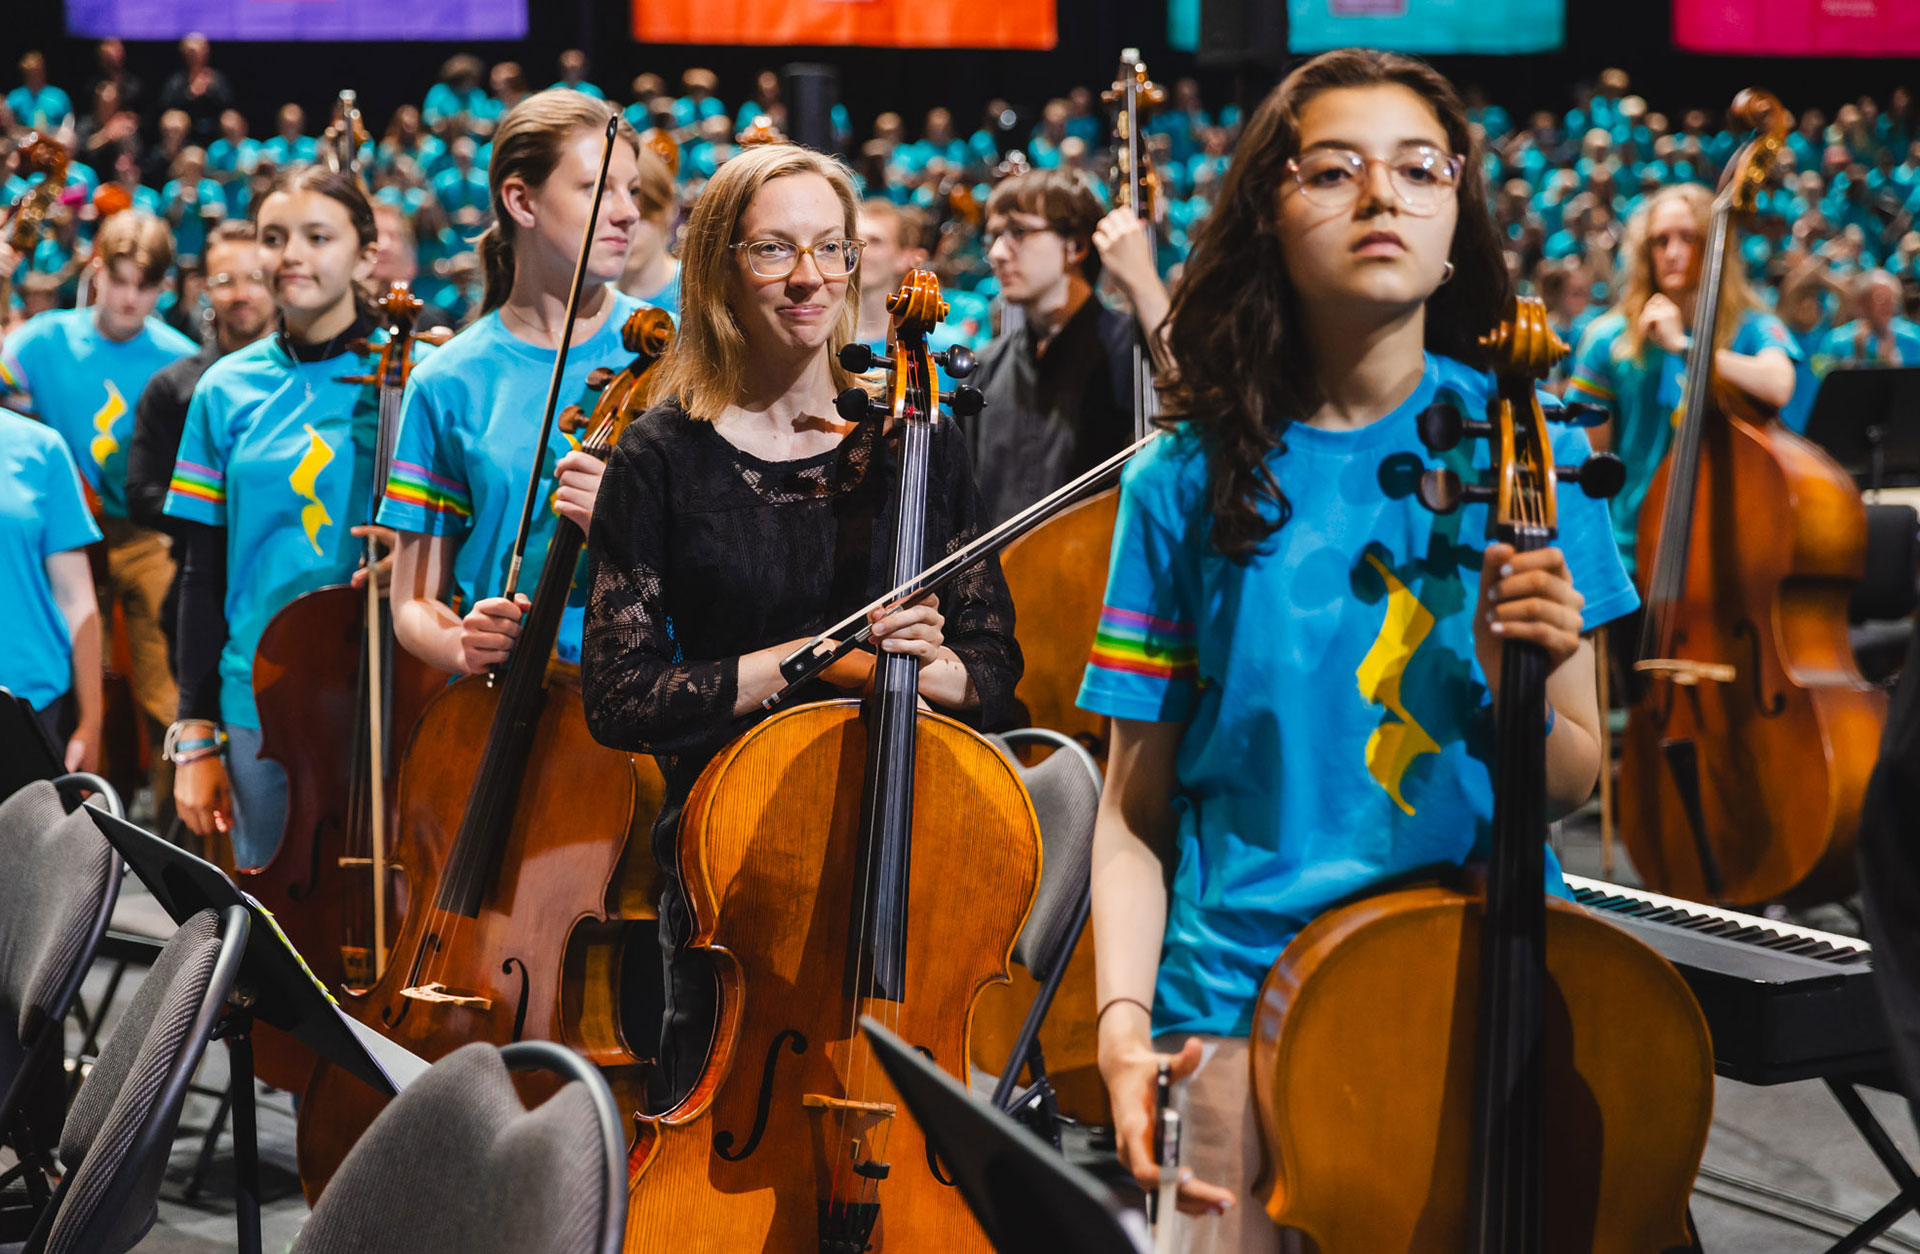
{"points": [[977, 606], [640, 695]]}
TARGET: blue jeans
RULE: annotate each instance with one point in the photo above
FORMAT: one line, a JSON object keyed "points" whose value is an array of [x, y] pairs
{"points": [[259, 798]]}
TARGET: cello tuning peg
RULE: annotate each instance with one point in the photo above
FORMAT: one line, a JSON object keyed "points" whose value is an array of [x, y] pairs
{"points": [[572, 419], [966, 402], [436, 336], [860, 358], [1441, 491], [599, 377], [359, 347], [855, 405], [1442, 426], [1582, 414], [959, 361], [1600, 476]]}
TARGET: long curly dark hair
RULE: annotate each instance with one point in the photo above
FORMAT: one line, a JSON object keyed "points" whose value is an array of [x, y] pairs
{"points": [[1241, 370]]}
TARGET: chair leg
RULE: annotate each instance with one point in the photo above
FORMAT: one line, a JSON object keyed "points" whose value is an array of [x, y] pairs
{"points": [[208, 1144]]}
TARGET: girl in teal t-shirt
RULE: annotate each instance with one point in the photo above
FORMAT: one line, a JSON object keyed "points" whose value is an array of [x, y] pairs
{"points": [[1299, 659], [52, 659], [276, 469], [470, 422]]}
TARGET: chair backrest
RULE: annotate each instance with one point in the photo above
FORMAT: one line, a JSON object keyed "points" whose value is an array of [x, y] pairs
{"points": [[59, 880], [1886, 589], [456, 1165], [120, 1128], [1065, 788]]}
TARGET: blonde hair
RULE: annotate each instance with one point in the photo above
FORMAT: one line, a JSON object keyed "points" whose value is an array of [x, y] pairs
{"points": [[1736, 294], [704, 367], [527, 145]]}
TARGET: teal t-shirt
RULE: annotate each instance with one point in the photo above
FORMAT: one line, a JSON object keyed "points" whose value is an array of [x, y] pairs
{"points": [[280, 453], [1643, 396], [1338, 727], [85, 386], [42, 512], [468, 428]]}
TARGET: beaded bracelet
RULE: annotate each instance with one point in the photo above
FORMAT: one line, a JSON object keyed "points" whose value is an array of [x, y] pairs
{"points": [[179, 749]]}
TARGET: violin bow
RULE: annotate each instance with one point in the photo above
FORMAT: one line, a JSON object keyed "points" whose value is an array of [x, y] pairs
{"points": [[559, 366]]}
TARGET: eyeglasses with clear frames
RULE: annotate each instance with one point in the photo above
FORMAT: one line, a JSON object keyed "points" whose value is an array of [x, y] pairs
{"points": [[778, 258], [1420, 174], [222, 280]]}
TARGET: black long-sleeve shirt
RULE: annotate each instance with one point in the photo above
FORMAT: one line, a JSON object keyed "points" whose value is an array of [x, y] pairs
{"points": [[701, 553]]}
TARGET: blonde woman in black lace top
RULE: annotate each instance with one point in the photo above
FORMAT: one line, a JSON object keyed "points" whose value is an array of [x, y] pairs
{"points": [[744, 515]]}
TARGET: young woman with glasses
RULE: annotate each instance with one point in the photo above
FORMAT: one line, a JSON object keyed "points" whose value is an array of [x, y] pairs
{"points": [[744, 514], [1298, 657]]}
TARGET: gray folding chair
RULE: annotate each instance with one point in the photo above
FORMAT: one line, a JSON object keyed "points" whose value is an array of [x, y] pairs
{"points": [[456, 1165], [58, 883], [120, 1128], [1065, 788]]}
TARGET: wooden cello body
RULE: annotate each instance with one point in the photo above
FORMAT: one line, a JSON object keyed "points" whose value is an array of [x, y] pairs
{"points": [[530, 903], [309, 687], [1476, 1067], [840, 859], [1781, 753], [770, 853], [1752, 733]]}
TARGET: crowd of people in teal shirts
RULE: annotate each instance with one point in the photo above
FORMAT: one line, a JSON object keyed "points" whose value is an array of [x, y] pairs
{"points": [[1841, 207], [1830, 263]]}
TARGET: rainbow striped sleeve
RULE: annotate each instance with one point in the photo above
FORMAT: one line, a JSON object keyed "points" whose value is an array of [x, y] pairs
{"points": [[193, 482], [1131, 643], [434, 495], [10, 376], [1591, 387]]}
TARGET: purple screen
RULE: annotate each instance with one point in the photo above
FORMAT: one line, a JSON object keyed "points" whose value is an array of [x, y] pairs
{"points": [[299, 19]]}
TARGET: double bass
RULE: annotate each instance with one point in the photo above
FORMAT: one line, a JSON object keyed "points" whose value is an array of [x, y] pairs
{"points": [[515, 830], [1058, 577], [841, 859], [1546, 1080], [1751, 737], [337, 702]]}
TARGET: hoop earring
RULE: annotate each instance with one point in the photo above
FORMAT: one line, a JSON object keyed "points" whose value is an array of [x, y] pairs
{"points": [[1448, 276]]}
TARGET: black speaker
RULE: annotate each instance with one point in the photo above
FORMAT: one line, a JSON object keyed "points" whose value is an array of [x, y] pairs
{"points": [[1238, 33], [811, 90]]}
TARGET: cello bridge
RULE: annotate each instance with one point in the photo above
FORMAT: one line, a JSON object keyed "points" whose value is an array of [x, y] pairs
{"points": [[1686, 672], [440, 995]]}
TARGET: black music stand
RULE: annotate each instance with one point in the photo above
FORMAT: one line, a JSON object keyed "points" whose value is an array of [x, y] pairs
{"points": [[1869, 420], [1027, 1198], [274, 986], [27, 753]]}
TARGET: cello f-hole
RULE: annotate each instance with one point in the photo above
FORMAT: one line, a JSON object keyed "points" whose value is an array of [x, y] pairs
{"points": [[299, 890], [723, 1141], [1769, 708], [520, 1003], [933, 1160]]}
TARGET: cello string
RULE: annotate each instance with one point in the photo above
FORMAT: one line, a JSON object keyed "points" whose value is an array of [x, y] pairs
{"points": [[927, 413], [880, 708]]}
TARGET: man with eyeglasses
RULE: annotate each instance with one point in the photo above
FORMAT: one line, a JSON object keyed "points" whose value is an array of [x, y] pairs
{"points": [[1058, 379], [242, 310]]}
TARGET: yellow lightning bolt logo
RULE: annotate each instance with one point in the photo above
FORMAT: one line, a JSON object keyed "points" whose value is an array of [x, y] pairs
{"points": [[313, 515], [1393, 746], [104, 445]]}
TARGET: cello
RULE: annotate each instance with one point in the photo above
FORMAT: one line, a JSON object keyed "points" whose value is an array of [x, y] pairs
{"points": [[1547, 1083], [1058, 578], [824, 852], [1750, 739], [516, 843], [47, 157], [337, 701]]}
